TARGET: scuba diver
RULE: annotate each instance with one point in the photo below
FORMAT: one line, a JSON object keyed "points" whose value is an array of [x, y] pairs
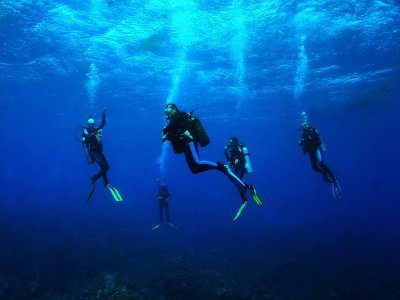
{"points": [[185, 133], [163, 196], [92, 144], [238, 158], [311, 143]]}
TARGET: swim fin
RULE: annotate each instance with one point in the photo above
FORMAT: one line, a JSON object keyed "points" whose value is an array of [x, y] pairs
{"points": [[91, 190], [172, 225], [254, 195], [239, 212], [336, 189], [114, 192], [156, 226]]}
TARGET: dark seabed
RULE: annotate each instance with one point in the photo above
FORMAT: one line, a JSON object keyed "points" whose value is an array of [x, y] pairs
{"points": [[246, 69]]}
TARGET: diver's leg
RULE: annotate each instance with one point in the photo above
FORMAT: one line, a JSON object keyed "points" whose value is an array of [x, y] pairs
{"points": [[166, 205], [161, 205], [315, 158], [102, 161], [240, 172], [97, 159], [195, 164], [328, 171]]}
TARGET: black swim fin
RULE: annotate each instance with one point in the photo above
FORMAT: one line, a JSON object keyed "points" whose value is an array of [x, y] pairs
{"points": [[336, 189], [91, 190]]}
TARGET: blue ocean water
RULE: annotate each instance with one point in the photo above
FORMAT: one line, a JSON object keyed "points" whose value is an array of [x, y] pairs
{"points": [[246, 69]]}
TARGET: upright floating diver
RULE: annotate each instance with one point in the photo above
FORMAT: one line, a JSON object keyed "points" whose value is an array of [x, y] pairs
{"points": [[163, 196], [92, 144], [238, 158], [185, 133], [311, 143]]}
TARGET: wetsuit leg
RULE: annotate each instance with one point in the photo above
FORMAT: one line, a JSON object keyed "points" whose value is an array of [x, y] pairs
{"points": [[239, 172], [318, 165], [327, 171], [195, 164], [104, 167], [161, 206], [166, 205]]}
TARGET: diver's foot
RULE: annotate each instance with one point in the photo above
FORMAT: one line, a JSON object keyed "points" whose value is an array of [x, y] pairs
{"points": [[172, 225], [223, 168], [254, 195], [156, 226], [243, 197], [326, 179]]}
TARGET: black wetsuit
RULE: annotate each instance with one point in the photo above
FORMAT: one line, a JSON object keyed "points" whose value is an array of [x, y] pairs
{"points": [[163, 199], [311, 143], [236, 158], [181, 134], [93, 143]]}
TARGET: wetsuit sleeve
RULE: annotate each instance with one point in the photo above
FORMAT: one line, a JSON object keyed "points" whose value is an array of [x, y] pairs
{"points": [[103, 120], [166, 132]]}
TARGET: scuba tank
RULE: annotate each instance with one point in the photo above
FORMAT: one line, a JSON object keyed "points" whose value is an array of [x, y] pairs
{"points": [[198, 132], [247, 165]]}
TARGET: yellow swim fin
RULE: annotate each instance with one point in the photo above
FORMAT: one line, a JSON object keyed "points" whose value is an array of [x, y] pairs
{"points": [[239, 212], [254, 195], [114, 192]]}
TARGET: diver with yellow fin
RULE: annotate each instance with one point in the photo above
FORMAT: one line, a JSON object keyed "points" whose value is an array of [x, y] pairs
{"points": [[185, 133], [92, 144], [238, 157]]}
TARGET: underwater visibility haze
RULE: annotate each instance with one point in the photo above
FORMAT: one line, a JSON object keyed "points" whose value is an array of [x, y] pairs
{"points": [[246, 68]]}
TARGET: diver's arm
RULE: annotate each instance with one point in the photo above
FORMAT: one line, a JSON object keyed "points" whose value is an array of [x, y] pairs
{"points": [[103, 119], [322, 145], [85, 134], [165, 134]]}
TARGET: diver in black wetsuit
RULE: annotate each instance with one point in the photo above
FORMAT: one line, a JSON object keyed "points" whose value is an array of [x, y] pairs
{"points": [[237, 156], [92, 141], [163, 196], [312, 144], [92, 144], [185, 133], [238, 159]]}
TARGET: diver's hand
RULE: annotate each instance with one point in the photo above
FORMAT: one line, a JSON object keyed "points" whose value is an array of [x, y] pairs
{"points": [[164, 137]]}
